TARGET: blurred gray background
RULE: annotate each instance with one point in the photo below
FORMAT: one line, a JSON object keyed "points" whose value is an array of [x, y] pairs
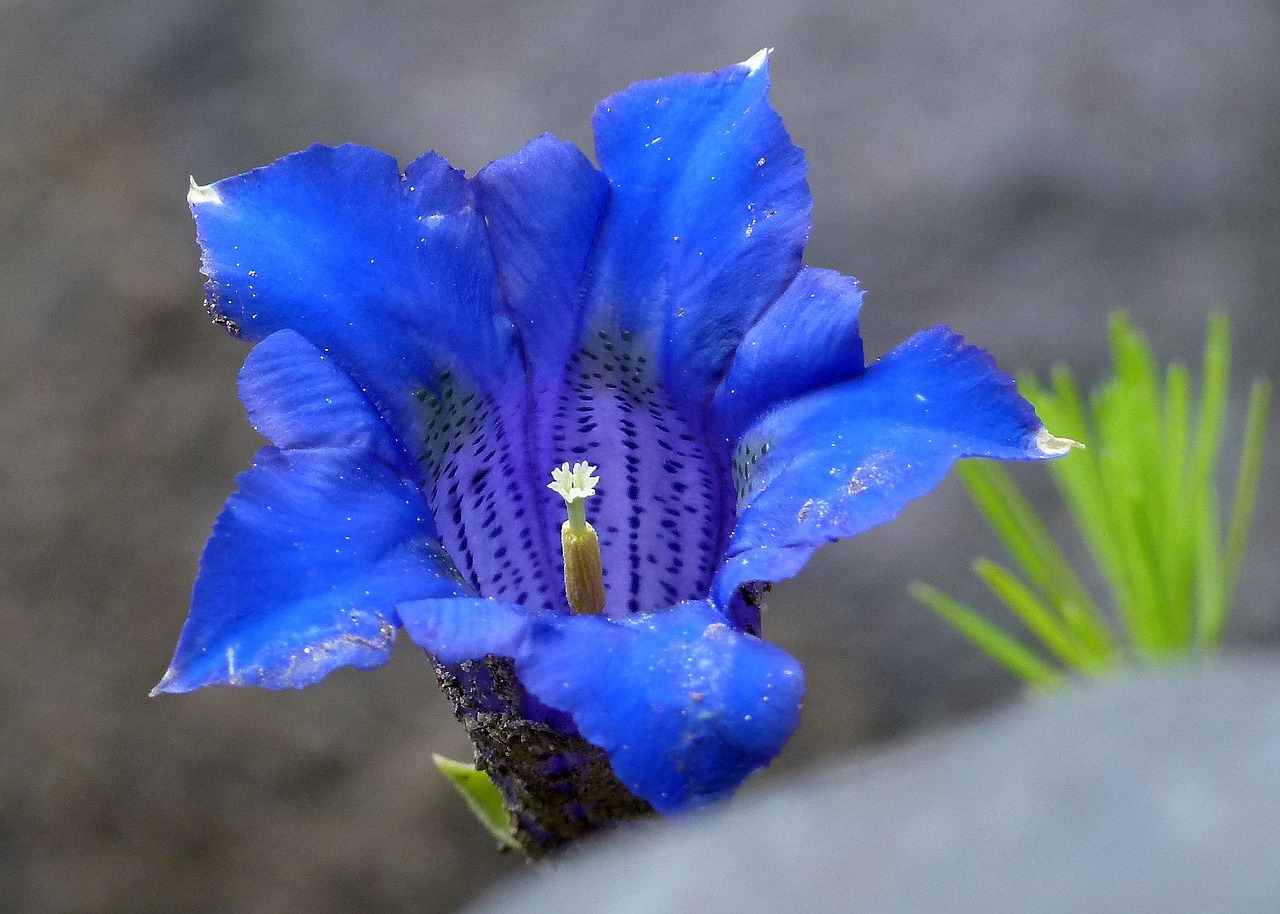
{"points": [[1016, 169]]}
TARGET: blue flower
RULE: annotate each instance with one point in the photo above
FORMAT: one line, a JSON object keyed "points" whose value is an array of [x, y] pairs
{"points": [[431, 346]]}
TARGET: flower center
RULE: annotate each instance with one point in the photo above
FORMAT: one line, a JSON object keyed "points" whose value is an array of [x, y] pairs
{"points": [[583, 577]]}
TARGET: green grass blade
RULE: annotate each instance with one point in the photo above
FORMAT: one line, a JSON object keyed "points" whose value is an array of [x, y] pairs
{"points": [[1092, 631], [1016, 523], [1039, 558], [1138, 599], [1079, 480], [1245, 500], [1213, 401], [1177, 566], [1137, 453], [1041, 621], [1137, 380], [1000, 647], [1211, 610], [1202, 500]]}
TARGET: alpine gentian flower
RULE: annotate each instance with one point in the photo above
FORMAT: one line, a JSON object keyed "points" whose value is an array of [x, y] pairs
{"points": [[430, 347]]}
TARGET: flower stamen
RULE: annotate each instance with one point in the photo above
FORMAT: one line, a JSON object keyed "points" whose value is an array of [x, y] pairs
{"points": [[583, 576]]}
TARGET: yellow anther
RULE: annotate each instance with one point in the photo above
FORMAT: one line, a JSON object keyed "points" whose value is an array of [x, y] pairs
{"points": [[583, 576]]}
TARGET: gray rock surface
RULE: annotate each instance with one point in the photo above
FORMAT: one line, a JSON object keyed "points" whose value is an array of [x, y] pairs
{"points": [[1017, 169], [1157, 793]]}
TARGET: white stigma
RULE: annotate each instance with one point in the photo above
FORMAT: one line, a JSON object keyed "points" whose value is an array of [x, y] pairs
{"points": [[573, 483]]}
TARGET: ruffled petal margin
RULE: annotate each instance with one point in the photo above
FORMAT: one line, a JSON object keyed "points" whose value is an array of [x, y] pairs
{"points": [[542, 207], [807, 340], [388, 272], [324, 537], [707, 221], [842, 460]]}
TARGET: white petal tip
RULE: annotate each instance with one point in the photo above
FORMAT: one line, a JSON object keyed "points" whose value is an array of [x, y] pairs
{"points": [[160, 686], [757, 60], [1052, 446], [202, 193]]}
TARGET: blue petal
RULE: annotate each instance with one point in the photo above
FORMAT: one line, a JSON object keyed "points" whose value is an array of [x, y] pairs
{"points": [[707, 216], [297, 398], [461, 629], [393, 278], [839, 461], [808, 339], [543, 207], [389, 273], [325, 536], [707, 222], [685, 706]]}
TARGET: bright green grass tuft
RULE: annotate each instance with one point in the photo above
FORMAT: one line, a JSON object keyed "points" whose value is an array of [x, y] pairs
{"points": [[1144, 498]]}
